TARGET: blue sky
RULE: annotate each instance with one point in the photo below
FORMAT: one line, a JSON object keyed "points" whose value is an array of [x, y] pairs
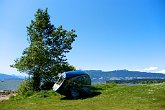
{"points": [[112, 34]]}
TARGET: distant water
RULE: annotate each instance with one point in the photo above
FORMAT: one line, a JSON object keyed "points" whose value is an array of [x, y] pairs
{"points": [[9, 84]]}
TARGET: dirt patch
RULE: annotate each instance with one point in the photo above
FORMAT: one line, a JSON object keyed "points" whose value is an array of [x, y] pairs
{"points": [[6, 97]]}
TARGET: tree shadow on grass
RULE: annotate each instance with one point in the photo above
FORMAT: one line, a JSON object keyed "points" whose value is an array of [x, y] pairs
{"points": [[94, 92]]}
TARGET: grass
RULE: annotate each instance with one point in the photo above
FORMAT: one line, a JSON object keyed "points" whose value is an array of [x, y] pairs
{"points": [[106, 97]]}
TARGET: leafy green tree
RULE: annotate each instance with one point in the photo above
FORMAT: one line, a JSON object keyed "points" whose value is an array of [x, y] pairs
{"points": [[45, 56]]}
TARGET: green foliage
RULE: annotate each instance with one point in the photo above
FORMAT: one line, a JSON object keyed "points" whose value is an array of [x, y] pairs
{"points": [[45, 57], [44, 94], [25, 87], [35, 95]]}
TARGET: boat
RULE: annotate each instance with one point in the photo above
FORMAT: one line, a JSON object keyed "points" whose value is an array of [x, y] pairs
{"points": [[74, 84]]}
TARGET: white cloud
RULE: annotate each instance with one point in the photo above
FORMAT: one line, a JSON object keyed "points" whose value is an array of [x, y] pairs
{"points": [[152, 68], [161, 71]]}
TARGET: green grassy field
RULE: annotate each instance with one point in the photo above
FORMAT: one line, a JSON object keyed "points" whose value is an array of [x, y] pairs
{"points": [[106, 97]]}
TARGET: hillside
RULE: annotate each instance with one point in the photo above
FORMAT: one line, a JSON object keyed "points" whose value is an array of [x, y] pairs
{"points": [[106, 97], [8, 77], [99, 76]]}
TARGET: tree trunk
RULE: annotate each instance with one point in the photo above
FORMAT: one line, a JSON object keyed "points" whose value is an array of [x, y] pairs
{"points": [[36, 81]]}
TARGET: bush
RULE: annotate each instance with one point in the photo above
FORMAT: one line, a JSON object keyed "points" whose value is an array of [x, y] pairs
{"points": [[41, 94], [44, 94], [25, 88]]}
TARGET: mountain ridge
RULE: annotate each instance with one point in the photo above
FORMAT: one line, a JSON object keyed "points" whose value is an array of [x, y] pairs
{"points": [[9, 77], [103, 76], [99, 76]]}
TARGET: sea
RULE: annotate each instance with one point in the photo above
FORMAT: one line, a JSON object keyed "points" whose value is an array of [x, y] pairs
{"points": [[10, 84]]}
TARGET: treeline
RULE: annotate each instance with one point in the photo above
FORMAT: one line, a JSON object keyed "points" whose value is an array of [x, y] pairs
{"points": [[137, 81]]}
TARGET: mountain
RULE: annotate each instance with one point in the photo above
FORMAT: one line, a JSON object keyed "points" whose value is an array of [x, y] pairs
{"points": [[9, 77], [99, 76]]}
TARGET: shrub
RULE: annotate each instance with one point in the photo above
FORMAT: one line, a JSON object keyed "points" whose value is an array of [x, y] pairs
{"points": [[25, 88], [44, 94], [41, 94]]}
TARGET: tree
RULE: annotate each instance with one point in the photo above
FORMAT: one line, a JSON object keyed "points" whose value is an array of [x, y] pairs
{"points": [[45, 56]]}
